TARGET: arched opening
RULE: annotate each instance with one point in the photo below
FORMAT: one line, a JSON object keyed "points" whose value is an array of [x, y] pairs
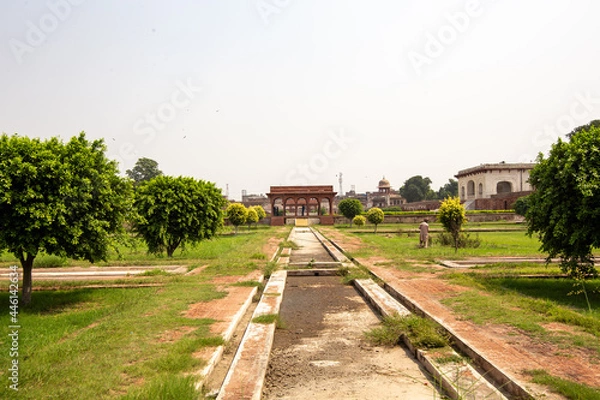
{"points": [[277, 207], [480, 190], [313, 206], [301, 207], [470, 188], [504, 187], [290, 206], [325, 208]]}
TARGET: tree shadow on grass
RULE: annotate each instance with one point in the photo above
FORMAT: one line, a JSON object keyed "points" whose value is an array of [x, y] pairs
{"points": [[564, 292], [51, 301]]}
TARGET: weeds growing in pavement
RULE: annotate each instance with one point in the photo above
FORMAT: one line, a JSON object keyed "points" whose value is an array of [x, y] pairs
{"points": [[422, 333], [270, 319]]}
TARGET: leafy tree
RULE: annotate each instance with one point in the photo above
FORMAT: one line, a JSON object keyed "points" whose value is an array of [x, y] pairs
{"points": [[359, 220], [236, 214], [350, 208], [260, 212], [61, 198], [452, 216], [375, 216], [594, 124], [417, 188], [450, 189], [564, 209], [522, 205], [175, 211], [251, 216], [144, 170]]}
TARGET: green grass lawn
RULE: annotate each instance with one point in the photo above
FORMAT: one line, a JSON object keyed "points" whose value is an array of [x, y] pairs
{"points": [[402, 246], [136, 252], [79, 343]]}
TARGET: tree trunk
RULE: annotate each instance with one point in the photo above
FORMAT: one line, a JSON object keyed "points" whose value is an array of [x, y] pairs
{"points": [[375, 231], [27, 265], [171, 247], [455, 236]]}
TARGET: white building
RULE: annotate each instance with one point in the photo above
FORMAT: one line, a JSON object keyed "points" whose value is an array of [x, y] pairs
{"points": [[488, 181]]}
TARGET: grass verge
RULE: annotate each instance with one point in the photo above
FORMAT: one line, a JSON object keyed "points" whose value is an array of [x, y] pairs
{"points": [[138, 342], [569, 389]]}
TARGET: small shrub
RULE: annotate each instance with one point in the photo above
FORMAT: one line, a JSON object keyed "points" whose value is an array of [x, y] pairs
{"points": [[464, 240], [359, 220]]}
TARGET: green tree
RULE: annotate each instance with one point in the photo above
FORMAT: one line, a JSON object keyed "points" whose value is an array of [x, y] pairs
{"points": [[359, 220], [417, 188], [350, 208], [143, 170], [59, 198], [251, 216], [236, 214], [260, 212], [593, 124], [450, 189], [564, 209], [375, 216], [452, 216], [174, 211], [522, 205]]}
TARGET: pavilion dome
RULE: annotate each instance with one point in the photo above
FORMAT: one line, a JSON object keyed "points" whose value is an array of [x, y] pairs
{"points": [[384, 183]]}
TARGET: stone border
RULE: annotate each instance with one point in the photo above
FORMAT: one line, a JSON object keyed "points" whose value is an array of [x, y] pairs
{"points": [[456, 379], [246, 375], [334, 251], [508, 383]]}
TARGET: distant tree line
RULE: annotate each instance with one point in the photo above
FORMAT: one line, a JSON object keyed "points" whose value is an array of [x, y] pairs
{"points": [[418, 188]]}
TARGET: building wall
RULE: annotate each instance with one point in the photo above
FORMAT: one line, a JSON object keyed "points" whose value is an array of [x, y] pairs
{"points": [[482, 182], [500, 202]]}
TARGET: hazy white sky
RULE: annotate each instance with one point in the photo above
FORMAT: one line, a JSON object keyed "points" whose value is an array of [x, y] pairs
{"points": [[254, 93]]}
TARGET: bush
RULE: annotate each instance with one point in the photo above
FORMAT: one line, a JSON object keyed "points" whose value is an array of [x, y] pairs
{"points": [[350, 208], [375, 216], [464, 240], [359, 220]]}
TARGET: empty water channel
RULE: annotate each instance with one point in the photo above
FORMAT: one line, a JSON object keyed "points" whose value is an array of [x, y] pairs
{"points": [[321, 352]]}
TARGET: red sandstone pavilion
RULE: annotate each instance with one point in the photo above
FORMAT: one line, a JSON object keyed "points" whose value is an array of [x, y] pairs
{"points": [[301, 202]]}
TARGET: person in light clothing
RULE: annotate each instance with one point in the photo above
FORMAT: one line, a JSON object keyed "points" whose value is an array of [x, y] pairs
{"points": [[424, 234]]}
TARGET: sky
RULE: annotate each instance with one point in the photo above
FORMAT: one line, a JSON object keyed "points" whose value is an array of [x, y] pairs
{"points": [[253, 93]]}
